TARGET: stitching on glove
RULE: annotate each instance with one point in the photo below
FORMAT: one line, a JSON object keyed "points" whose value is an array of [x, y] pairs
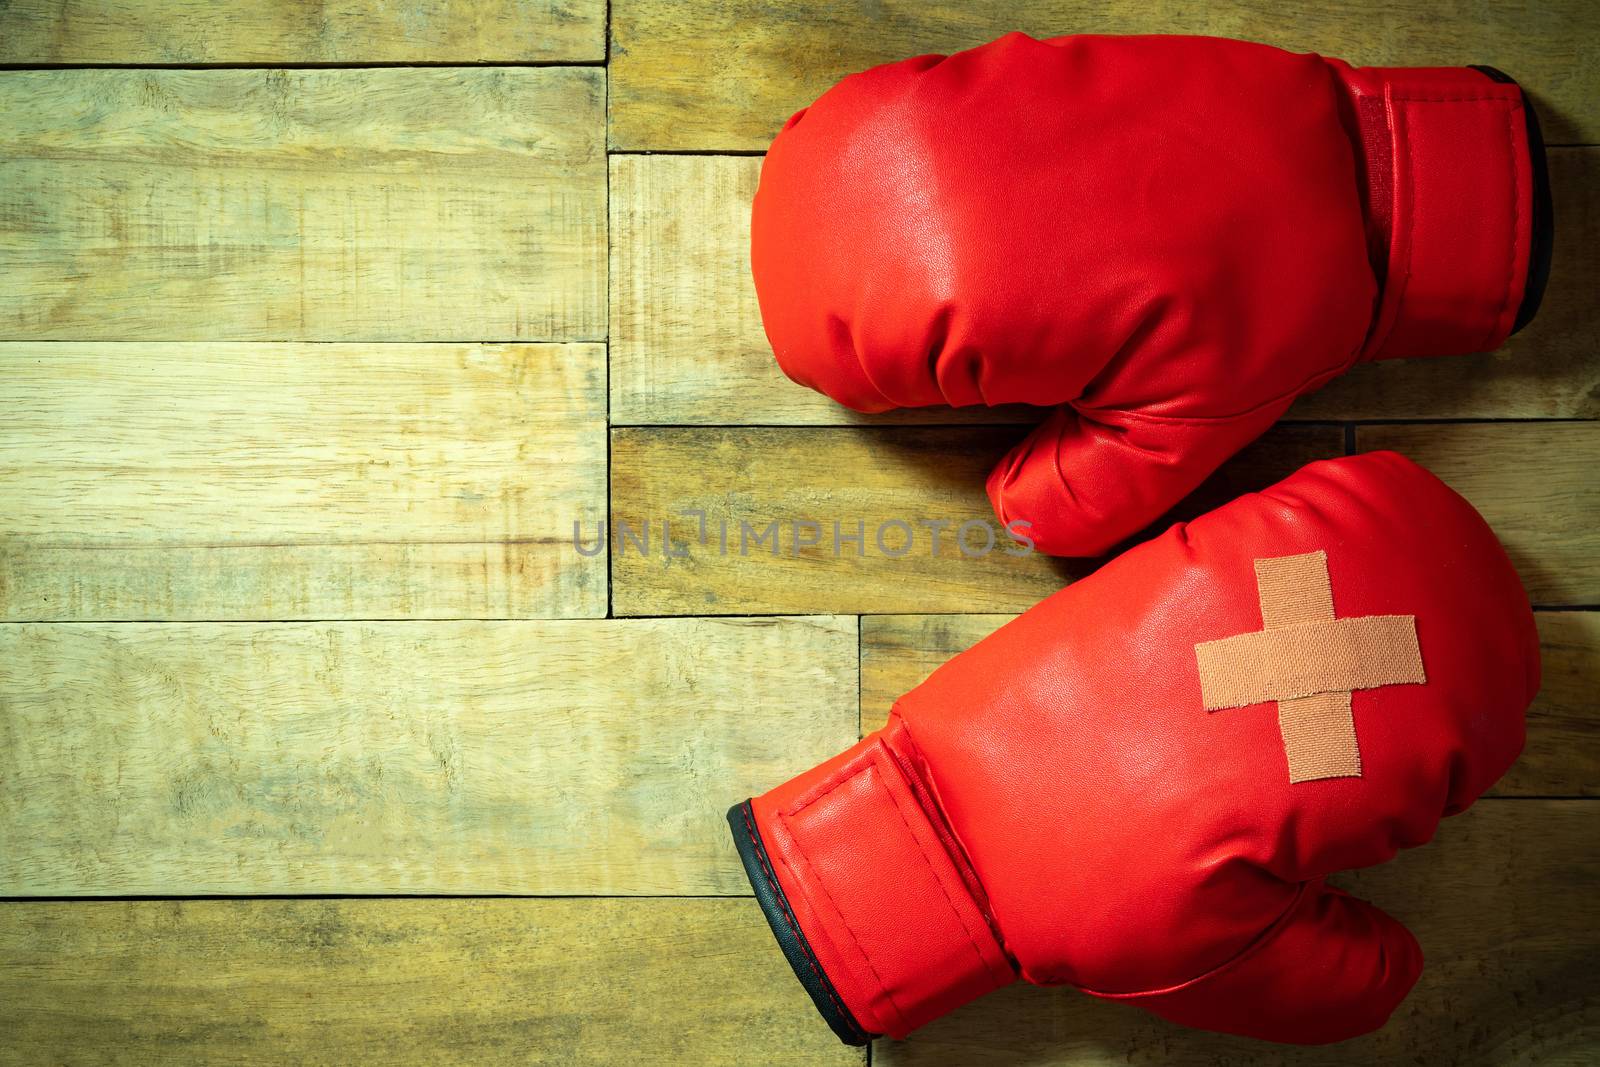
{"points": [[822, 887], [1453, 99], [1516, 205], [1310, 383], [868, 768], [794, 926], [926, 796], [1516, 230], [971, 940], [1254, 945]]}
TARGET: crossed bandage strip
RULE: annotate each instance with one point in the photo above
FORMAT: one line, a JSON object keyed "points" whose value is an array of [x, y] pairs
{"points": [[1309, 662]]}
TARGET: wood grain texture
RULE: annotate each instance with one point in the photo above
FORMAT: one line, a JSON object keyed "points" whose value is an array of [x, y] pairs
{"points": [[191, 759], [875, 477], [1563, 753], [1503, 903], [134, 32], [335, 982], [728, 77], [688, 347], [1533, 482], [1562, 757], [686, 340], [251, 481], [154, 467], [356, 205], [758, 477]]}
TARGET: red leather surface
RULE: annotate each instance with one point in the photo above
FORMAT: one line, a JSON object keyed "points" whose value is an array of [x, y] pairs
{"points": [[911, 953], [1446, 150], [1173, 237], [1118, 837]]}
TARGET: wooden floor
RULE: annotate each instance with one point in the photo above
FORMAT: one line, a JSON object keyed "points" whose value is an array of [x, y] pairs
{"points": [[322, 322]]}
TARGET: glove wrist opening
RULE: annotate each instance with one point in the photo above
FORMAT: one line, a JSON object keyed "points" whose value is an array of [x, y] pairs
{"points": [[864, 898]]}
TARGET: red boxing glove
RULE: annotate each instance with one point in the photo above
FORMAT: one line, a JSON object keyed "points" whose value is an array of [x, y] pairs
{"points": [[1170, 237], [1138, 786]]}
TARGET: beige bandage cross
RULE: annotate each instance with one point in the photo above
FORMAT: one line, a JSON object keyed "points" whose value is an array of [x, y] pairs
{"points": [[1309, 662]]}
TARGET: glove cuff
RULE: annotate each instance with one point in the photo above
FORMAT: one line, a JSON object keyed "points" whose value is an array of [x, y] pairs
{"points": [[865, 894], [1457, 203]]}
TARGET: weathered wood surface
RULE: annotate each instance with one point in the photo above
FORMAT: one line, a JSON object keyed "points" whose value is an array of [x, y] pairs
{"points": [[398, 982], [1562, 758], [728, 77], [592, 757], [1503, 903], [283, 481], [873, 476], [151, 479], [1563, 753], [688, 347], [320, 205], [1534, 483], [134, 32]]}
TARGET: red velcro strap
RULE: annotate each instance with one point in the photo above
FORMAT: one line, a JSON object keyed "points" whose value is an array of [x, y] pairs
{"points": [[877, 893], [1450, 190]]}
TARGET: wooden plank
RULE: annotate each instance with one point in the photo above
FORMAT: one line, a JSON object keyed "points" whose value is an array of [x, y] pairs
{"points": [[250, 481], [1562, 757], [688, 347], [134, 32], [874, 477], [730, 74], [474, 757], [332, 205], [1549, 370], [1533, 482], [1503, 903], [686, 342], [402, 982]]}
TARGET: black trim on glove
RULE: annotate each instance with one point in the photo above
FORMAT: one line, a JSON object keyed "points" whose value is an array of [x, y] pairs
{"points": [[786, 928]]}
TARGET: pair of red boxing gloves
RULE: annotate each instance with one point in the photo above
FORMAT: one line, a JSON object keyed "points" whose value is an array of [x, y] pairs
{"points": [[1138, 787]]}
